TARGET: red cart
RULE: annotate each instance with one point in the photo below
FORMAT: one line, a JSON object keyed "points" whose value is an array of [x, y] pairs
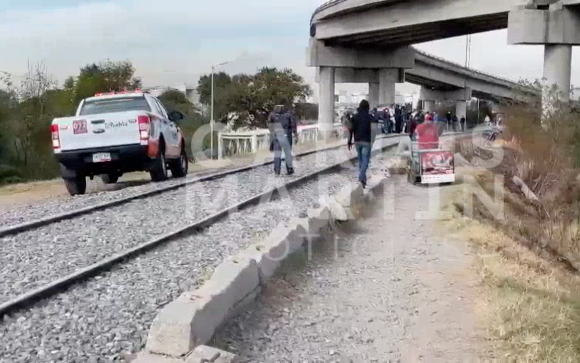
{"points": [[431, 166]]}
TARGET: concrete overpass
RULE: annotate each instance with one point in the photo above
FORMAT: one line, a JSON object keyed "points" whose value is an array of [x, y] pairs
{"points": [[438, 74], [440, 80], [376, 35]]}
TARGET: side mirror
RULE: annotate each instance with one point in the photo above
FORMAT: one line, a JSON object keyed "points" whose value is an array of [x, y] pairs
{"points": [[176, 116]]}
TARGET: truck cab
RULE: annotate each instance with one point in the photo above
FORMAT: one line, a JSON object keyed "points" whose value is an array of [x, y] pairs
{"points": [[115, 133]]}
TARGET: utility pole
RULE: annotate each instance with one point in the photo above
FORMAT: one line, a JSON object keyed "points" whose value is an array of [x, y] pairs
{"points": [[468, 51], [211, 120]]}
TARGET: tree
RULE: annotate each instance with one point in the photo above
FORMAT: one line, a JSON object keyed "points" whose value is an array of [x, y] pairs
{"points": [[175, 100], [105, 76], [246, 100], [221, 81], [28, 107]]}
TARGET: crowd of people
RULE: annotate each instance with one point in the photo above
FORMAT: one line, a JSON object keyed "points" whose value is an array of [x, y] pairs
{"points": [[400, 118], [423, 127], [363, 126]]}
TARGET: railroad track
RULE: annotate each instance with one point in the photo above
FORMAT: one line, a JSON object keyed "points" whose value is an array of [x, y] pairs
{"points": [[109, 303], [152, 190], [117, 303], [69, 248]]}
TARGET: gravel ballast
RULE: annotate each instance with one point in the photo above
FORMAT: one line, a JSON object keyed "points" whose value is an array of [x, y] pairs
{"points": [[35, 211], [388, 290], [36, 257], [108, 316]]}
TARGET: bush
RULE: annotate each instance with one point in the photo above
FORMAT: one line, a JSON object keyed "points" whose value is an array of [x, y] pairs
{"points": [[9, 174], [542, 150]]}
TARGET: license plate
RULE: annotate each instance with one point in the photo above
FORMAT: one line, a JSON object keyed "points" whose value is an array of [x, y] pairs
{"points": [[101, 157]]}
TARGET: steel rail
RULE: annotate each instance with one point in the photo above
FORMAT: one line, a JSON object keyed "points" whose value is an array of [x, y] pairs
{"points": [[22, 227], [85, 273]]}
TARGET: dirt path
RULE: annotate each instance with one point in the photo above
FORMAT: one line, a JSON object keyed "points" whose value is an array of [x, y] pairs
{"points": [[389, 292]]}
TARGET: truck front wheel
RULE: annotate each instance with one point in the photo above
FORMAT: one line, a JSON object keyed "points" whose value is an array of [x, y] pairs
{"points": [[76, 185]]}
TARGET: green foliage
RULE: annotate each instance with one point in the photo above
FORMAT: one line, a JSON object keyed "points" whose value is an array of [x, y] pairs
{"points": [[27, 109], [174, 100], [28, 106], [246, 100], [105, 76]]}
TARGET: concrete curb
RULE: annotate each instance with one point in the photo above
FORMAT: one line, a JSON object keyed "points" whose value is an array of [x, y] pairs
{"points": [[191, 320]]}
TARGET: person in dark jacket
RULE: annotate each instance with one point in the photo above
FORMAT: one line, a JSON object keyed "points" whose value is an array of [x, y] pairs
{"points": [[449, 120], [454, 123], [282, 129], [363, 129], [412, 127], [388, 123], [398, 119]]}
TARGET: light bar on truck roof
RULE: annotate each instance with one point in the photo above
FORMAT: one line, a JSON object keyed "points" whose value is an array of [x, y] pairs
{"points": [[138, 90]]}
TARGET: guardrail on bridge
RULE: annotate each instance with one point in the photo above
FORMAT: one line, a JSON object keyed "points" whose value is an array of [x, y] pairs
{"points": [[247, 142]]}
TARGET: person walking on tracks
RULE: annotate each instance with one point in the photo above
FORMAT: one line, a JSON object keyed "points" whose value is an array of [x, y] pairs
{"points": [[363, 129], [282, 128]]}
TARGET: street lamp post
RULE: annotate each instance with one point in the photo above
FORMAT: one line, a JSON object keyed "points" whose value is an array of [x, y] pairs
{"points": [[212, 121]]}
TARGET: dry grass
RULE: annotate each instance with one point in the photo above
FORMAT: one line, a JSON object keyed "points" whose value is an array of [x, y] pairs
{"points": [[532, 306], [528, 258]]}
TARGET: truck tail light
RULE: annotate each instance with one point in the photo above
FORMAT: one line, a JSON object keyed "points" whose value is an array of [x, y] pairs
{"points": [[55, 137], [143, 122]]}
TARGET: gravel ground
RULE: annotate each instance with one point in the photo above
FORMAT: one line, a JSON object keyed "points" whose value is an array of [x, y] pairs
{"points": [[388, 290], [35, 211], [122, 189], [110, 315], [61, 248]]}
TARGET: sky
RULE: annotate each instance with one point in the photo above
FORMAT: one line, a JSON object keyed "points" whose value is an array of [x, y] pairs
{"points": [[175, 41]]}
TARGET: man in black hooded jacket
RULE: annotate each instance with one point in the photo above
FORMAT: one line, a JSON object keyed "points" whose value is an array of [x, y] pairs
{"points": [[282, 127], [364, 129]]}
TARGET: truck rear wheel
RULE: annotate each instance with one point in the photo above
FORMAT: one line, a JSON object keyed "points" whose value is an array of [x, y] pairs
{"points": [[76, 186], [179, 166], [109, 178], [158, 170]]}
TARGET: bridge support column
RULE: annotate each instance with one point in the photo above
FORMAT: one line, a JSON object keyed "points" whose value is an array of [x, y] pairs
{"points": [[557, 28], [428, 105], [326, 101], [461, 109], [374, 90], [557, 70], [388, 78]]}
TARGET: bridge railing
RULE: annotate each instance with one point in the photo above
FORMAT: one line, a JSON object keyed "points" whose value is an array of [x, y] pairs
{"points": [[248, 142], [466, 68]]}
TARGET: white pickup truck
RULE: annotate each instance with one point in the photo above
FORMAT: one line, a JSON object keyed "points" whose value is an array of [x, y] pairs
{"points": [[115, 133]]}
